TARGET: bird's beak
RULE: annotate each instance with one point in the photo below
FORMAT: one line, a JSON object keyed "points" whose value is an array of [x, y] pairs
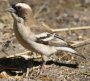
{"points": [[11, 10]]}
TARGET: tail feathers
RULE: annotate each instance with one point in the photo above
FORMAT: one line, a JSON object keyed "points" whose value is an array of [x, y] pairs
{"points": [[70, 50], [66, 49]]}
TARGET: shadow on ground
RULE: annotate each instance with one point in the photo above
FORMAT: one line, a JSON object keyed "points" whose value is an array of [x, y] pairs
{"points": [[14, 64]]}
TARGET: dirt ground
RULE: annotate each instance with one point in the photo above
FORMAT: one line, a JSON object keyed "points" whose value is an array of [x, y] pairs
{"points": [[56, 14]]}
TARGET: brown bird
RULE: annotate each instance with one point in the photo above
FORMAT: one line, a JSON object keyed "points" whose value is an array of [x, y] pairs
{"points": [[33, 35]]}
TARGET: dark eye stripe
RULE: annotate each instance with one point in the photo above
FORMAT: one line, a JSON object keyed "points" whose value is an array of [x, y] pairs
{"points": [[13, 6]]}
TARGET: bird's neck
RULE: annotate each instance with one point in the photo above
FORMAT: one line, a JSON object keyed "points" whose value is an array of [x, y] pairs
{"points": [[29, 18]]}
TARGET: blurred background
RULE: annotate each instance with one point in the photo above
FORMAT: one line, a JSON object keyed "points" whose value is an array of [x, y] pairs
{"points": [[56, 14]]}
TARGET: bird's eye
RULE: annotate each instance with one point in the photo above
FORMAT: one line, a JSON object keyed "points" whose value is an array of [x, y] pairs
{"points": [[19, 7]]}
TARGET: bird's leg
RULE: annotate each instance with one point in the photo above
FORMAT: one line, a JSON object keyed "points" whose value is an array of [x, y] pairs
{"points": [[42, 66]]}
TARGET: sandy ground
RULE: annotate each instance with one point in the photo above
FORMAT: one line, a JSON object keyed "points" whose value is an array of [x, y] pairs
{"points": [[57, 14]]}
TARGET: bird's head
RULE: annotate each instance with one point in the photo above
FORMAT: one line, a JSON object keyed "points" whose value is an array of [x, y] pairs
{"points": [[23, 10]]}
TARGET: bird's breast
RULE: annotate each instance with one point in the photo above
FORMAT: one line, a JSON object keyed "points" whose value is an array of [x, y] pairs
{"points": [[20, 38]]}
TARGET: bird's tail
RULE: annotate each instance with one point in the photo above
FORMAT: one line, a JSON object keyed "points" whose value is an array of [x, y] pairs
{"points": [[70, 50]]}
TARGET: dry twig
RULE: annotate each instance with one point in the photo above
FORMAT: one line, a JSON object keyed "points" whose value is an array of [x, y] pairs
{"points": [[18, 54], [66, 29], [80, 43], [72, 28]]}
